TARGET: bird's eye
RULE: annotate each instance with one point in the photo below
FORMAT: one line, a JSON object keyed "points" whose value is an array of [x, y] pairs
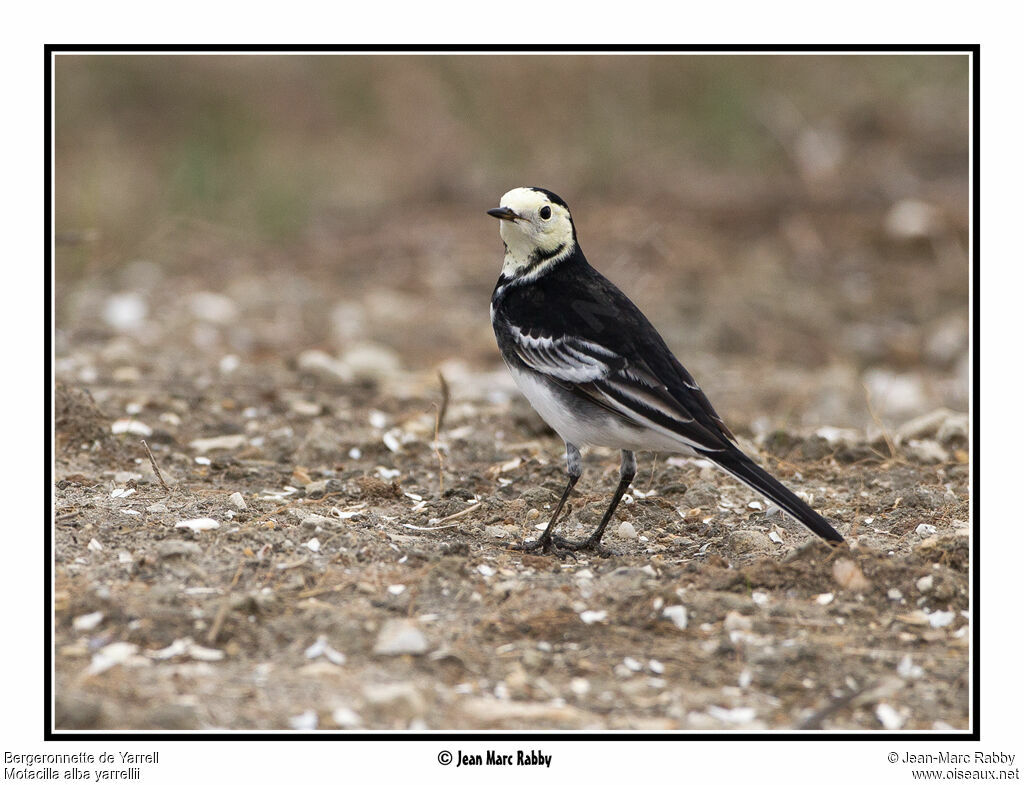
{"points": [[545, 212]]}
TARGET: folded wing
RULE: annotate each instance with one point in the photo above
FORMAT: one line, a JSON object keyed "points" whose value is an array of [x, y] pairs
{"points": [[625, 386]]}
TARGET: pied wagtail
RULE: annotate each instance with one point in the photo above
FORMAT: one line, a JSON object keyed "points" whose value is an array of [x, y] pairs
{"points": [[596, 370]]}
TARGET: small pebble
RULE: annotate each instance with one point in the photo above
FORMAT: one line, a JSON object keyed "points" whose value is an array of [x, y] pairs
{"points": [[579, 686], [231, 441], [926, 451], [924, 583], [344, 717], [400, 637], [321, 364], [237, 501], [626, 531], [395, 698], [125, 311], [734, 620], [849, 576]]}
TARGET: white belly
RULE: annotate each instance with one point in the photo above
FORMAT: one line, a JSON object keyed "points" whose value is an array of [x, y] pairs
{"points": [[583, 423]]}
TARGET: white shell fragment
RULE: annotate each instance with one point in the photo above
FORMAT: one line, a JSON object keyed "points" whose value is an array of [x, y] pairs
{"points": [[593, 617], [392, 439], [95, 545], [345, 514], [321, 648], [198, 524], [738, 716], [890, 718], [128, 425], [117, 653], [189, 648], [677, 615], [88, 621], [908, 670], [237, 501], [313, 544], [305, 721], [941, 618]]}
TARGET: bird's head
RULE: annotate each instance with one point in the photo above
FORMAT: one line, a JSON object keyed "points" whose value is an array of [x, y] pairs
{"points": [[536, 228]]}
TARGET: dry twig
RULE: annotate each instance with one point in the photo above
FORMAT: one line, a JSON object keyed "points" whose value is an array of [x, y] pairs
{"points": [[156, 469]]}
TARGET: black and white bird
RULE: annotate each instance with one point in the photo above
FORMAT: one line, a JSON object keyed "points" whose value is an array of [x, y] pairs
{"points": [[595, 368]]}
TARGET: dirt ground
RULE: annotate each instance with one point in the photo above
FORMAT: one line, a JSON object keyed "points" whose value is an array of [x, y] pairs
{"points": [[357, 571]]}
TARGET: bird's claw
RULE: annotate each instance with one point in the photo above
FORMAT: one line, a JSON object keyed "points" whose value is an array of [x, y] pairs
{"points": [[546, 545], [589, 544]]}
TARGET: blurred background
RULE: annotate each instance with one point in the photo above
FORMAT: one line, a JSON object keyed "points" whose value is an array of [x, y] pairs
{"points": [[800, 221]]}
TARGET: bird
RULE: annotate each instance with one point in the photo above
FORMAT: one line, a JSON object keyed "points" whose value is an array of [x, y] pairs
{"points": [[598, 372]]}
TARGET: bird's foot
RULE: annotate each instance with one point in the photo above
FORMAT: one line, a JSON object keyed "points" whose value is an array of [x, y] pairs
{"points": [[590, 544], [546, 545]]}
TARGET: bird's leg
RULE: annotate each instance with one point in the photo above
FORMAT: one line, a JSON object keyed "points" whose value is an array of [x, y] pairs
{"points": [[627, 471], [574, 467]]}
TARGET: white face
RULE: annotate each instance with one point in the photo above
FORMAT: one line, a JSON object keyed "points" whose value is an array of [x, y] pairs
{"points": [[540, 225]]}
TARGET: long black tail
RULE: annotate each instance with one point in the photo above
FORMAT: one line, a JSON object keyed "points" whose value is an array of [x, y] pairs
{"points": [[746, 471]]}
